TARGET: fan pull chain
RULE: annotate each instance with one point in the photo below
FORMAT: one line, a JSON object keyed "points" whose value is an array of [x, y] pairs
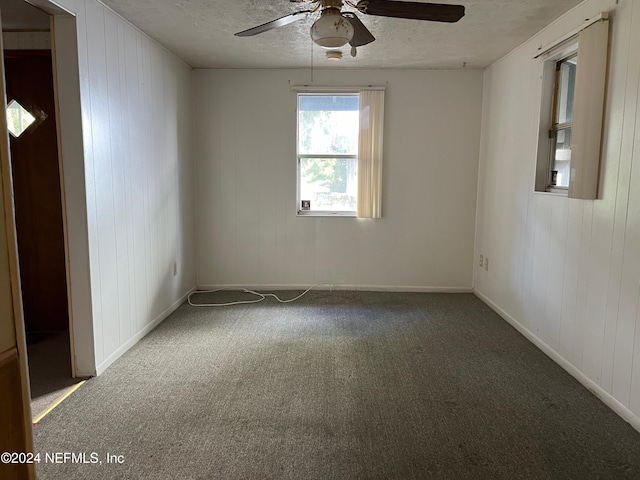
{"points": [[311, 61]]}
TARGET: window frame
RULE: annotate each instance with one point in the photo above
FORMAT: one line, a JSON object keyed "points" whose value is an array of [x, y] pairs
{"points": [[301, 156], [592, 39], [548, 116], [557, 126], [33, 122]]}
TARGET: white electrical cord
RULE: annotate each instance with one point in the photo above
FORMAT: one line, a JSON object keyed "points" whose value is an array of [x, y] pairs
{"points": [[261, 297]]}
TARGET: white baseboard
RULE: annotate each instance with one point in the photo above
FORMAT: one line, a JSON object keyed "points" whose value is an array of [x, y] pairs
{"points": [[610, 401], [328, 286], [138, 336]]}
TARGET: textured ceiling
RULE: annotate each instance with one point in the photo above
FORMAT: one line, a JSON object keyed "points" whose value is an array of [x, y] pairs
{"points": [[201, 33]]}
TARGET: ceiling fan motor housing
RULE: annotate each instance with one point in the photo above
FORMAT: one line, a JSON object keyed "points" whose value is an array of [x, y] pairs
{"points": [[335, 28], [331, 30], [332, 4]]}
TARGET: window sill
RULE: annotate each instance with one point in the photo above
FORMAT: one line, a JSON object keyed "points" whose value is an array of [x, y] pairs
{"points": [[560, 192], [306, 213]]}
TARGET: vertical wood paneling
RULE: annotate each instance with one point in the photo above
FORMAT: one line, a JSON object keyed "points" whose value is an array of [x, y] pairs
{"points": [[118, 196], [153, 166], [93, 26], [136, 106], [529, 261], [635, 378], [159, 167], [555, 274], [135, 178], [631, 272], [619, 114], [590, 313], [138, 111], [149, 113], [164, 178], [146, 115], [628, 298], [583, 282], [539, 269], [127, 274], [568, 320], [93, 310], [598, 274], [633, 242], [104, 169]]}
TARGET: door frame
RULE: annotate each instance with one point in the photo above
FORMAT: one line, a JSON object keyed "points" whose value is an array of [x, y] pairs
{"points": [[65, 232], [69, 117], [72, 184]]}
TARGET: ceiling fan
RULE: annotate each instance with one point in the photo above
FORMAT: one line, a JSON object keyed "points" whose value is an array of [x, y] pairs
{"points": [[336, 28]]}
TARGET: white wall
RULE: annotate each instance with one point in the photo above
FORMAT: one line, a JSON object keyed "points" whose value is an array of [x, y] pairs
{"points": [[567, 272], [247, 229], [135, 208]]}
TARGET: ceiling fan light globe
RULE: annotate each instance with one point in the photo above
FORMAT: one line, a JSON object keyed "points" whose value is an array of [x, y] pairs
{"points": [[331, 30]]}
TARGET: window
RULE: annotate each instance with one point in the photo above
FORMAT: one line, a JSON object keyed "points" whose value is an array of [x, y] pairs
{"points": [[327, 150], [19, 119], [561, 123], [574, 74]]}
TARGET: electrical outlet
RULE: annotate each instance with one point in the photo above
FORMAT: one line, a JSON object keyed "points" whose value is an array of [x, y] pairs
{"points": [[338, 279], [481, 261], [486, 263]]}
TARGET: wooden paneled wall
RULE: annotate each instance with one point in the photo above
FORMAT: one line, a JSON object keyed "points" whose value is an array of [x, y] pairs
{"points": [[137, 170], [567, 271]]}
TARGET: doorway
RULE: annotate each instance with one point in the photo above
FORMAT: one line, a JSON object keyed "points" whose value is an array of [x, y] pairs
{"points": [[39, 220]]}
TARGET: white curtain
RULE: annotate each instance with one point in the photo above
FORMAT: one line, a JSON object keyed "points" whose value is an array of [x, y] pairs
{"points": [[586, 131], [370, 154]]}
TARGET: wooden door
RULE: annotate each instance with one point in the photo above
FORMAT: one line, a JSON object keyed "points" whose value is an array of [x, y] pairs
{"points": [[15, 413], [36, 181]]}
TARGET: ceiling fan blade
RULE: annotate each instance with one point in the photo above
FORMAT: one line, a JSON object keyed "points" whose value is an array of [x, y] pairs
{"points": [[361, 34], [280, 22], [435, 12]]}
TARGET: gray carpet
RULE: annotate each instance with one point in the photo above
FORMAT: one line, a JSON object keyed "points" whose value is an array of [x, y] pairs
{"points": [[339, 385]]}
